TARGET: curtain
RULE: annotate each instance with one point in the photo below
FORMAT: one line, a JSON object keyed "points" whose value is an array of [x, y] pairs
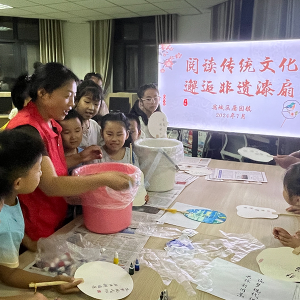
{"points": [[102, 34], [51, 41], [166, 29], [226, 21], [276, 19]]}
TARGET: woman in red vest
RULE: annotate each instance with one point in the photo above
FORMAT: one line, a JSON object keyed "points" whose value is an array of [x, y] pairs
{"points": [[52, 91]]}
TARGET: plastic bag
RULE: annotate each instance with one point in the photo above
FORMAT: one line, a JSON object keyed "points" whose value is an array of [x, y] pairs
{"points": [[190, 262], [105, 197], [63, 254]]}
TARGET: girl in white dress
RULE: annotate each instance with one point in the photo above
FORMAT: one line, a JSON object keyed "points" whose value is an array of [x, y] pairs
{"points": [[115, 132]]}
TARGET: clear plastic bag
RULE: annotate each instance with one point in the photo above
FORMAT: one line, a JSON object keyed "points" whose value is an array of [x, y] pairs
{"points": [[186, 264], [157, 230], [63, 254], [105, 197]]}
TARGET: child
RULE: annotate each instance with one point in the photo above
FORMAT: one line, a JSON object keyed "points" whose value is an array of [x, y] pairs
{"points": [[87, 103], [146, 105], [134, 126], [97, 78], [71, 134], [20, 172], [71, 137], [19, 95], [115, 131], [291, 194]]}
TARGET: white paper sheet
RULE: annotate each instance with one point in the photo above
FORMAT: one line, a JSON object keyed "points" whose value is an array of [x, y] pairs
{"points": [[184, 179], [232, 282], [165, 199], [238, 175], [200, 171], [189, 163], [179, 219]]}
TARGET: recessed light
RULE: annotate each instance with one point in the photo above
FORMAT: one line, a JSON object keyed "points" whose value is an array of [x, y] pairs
{"points": [[3, 6]]}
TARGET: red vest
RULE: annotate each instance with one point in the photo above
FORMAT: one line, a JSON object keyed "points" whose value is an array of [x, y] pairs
{"points": [[43, 214]]}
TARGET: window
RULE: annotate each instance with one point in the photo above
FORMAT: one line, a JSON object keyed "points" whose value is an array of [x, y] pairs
{"points": [[19, 48], [135, 54]]}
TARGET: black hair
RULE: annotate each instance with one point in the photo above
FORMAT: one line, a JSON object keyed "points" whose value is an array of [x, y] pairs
{"points": [[37, 64], [50, 77], [97, 118], [117, 117], [291, 180], [19, 151], [20, 90], [88, 76], [73, 114], [145, 87], [91, 89], [134, 118]]}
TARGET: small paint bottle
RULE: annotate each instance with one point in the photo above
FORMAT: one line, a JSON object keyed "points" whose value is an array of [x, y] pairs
{"points": [[116, 258], [137, 265], [131, 269]]}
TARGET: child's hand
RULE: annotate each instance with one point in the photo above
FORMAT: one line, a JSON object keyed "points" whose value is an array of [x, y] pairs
{"points": [[285, 238], [70, 287], [91, 153], [117, 180], [285, 161], [294, 209], [297, 234]]}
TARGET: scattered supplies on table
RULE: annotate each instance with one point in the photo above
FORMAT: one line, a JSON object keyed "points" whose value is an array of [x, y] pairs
{"points": [[237, 176], [84, 246], [185, 265], [233, 282], [103, 280], [280, 263]]}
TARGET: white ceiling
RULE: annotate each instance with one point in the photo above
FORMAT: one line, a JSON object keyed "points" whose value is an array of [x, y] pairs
{"points": [[80, 11]]}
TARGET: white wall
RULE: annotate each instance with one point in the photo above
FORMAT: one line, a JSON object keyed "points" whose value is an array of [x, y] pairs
{"points": [[191, 29], [194, 28], [77, 47]]}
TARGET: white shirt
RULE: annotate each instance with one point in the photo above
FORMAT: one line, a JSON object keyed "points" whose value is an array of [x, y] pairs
{"points": [[92, 136]]}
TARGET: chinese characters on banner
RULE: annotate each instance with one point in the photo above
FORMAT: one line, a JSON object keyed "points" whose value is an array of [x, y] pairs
{"points": [[247, 87]]}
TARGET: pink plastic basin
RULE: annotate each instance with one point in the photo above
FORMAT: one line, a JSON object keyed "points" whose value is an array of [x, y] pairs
{"points": [[105, 210]]}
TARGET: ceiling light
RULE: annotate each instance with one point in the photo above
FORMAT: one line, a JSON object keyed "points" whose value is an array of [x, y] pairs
{"points": [[3, 6], [3, 28]]}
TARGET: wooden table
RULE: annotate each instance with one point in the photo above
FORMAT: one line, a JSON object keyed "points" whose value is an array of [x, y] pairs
{"points": [[221, 196]]}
